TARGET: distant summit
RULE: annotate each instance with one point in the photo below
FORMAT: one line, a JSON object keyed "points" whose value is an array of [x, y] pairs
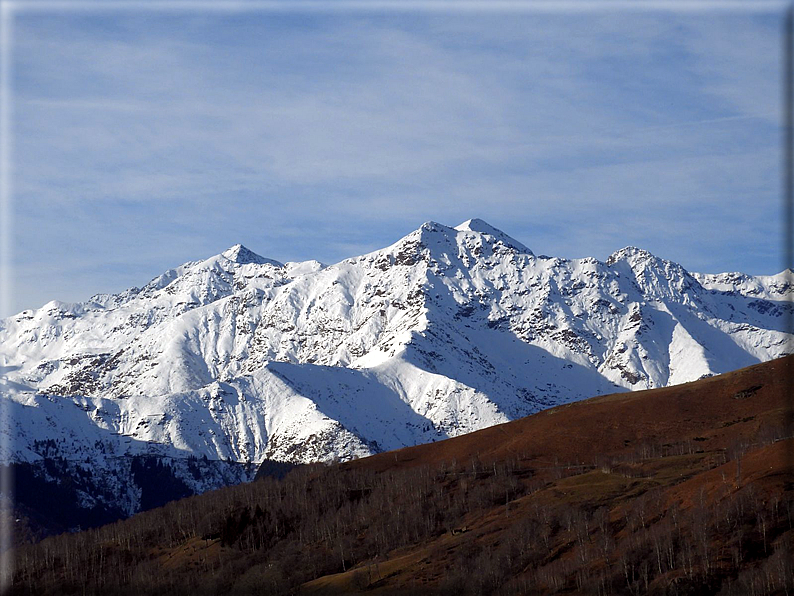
{"points": [[483, 227], [241, 255]]}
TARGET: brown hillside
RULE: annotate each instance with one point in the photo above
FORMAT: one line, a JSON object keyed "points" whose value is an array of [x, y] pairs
{"points": [[683, 490], [712, 414]]}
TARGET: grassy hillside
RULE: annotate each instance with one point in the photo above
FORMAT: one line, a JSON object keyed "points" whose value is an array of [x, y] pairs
{"points": [[682, 490]]}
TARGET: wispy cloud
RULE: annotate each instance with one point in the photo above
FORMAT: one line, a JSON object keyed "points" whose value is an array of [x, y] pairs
{"points": [[162, 138]]}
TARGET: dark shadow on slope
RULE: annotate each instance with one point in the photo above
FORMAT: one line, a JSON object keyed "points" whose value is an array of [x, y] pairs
{"points": [[518, 377], [358, 401], [760, 312], [46, 499], [522, 378], [721, 351], [66, 490], [462, 343], [49, 493], [270, 468], [157, 482]]}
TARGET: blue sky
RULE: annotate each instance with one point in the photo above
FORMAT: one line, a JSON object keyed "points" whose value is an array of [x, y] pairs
{"points": [[144, 139]]}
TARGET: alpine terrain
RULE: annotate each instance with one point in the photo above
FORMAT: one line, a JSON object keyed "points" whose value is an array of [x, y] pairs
{"points": [[191, 381]]}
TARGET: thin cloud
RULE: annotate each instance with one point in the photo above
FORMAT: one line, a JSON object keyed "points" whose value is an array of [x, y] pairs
{"points": [[306, 136]]}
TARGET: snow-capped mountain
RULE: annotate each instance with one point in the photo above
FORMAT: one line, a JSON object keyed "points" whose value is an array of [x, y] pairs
{"points": [[239, 358]]}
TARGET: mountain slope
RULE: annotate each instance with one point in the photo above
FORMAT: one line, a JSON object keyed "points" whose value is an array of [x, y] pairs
{"points": [[685, 489], [239, 358]]}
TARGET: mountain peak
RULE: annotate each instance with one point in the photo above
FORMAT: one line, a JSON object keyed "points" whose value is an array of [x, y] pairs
{"points": [[478, 225], [630, 254], [433, 226], [482, 227], [241, 255]]}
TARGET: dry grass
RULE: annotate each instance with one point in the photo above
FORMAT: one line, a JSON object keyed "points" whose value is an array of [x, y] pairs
{"points": [[673, 491]]}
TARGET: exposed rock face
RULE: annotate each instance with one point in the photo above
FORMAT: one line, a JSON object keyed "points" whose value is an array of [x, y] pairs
{"points": [[241, 358]]}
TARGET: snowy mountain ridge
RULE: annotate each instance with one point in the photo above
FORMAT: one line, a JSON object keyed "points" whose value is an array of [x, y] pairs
{"points": [[240, 358]]}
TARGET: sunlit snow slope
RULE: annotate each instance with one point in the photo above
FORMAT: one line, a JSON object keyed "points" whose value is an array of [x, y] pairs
{"points": [[448, 330]]}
